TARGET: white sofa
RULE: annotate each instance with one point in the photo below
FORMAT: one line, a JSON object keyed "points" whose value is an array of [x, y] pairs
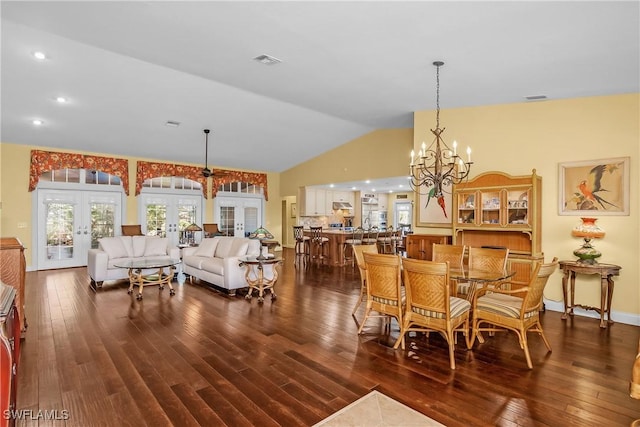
{"points": [[101, 263], [217, 261]]}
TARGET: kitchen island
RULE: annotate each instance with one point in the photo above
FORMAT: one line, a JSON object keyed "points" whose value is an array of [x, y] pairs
{"points": [[337, 237]]}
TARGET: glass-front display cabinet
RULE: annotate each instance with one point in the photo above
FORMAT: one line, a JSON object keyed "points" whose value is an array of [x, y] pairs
{"points": [[500, 210]]}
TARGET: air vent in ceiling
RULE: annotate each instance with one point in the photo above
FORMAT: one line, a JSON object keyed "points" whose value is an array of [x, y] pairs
{"points": [[535, 97], [172, 124], [267, 60]]}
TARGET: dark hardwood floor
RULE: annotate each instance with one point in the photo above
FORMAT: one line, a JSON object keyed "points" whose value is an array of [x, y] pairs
{"points": [[204, 358]]}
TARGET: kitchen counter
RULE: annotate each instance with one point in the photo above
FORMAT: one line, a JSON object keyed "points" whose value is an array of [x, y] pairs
{"points": [[336, 241]]}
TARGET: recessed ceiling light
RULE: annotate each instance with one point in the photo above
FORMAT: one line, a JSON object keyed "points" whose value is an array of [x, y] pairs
{"points": [[61, 99], [267, 60], [354, 188], [39, 55], [37, 122], [172, 123]]}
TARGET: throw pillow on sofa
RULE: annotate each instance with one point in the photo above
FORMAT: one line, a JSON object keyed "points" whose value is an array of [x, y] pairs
{"points": [[156, 246], [207, 248], [114, 247]]}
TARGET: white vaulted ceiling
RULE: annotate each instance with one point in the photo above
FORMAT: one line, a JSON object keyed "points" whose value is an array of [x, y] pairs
{"points": [[347, 68]]}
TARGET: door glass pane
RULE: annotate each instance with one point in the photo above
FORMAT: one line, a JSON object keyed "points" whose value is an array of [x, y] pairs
{"points": [[156, 220], [227, 220], [250, 220], [186, 216], [102, 222], [59, 230]]}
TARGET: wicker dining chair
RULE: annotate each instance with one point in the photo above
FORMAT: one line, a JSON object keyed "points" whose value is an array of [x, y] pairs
{"points": [[430, 306], [454, 254], [358, 254], [517, 310], [384, 293], [483, 259]]}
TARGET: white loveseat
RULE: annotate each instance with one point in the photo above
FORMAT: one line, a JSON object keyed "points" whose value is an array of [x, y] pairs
{"points": [[217, 261], [102, 262]]}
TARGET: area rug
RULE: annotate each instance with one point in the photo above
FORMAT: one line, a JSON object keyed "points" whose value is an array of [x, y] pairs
{"points": [[376, 409]]}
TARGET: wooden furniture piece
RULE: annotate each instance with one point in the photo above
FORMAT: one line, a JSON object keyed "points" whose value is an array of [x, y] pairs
{"points": [[318, 243], [351, 243], [138, 277], [131, 230], [211, 230], [420, 246], [9, 353], [13, 268], [606, 271], [256, 278], [429, 304], [500, 210], [302, 245], [358, 254], [384, 294], [454, 255], [517, 310]]}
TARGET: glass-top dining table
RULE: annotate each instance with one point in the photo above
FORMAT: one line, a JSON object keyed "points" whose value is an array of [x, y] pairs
{"points": [[477, 279]]}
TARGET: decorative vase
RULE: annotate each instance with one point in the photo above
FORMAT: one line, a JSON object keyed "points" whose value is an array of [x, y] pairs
{"points": [[588, 230]]}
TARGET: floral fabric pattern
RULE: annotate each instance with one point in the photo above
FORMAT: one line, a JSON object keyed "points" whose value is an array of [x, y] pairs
{"points": [[47, 161]]}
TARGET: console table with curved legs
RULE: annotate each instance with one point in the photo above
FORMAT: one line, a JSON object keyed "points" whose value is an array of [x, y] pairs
{"points": [[606, 271]]}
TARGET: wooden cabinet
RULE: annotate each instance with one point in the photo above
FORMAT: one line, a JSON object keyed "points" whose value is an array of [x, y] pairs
{"points": [[497, 209], [13, 268], [9, 353], [420, 246], [313, 201]]}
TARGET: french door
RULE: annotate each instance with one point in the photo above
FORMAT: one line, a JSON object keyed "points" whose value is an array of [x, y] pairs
{"points": [[167, 215], [70, 222], [238, 216]]}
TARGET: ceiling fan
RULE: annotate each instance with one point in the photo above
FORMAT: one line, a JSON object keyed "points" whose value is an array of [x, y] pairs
{"points": [[206, 172]]}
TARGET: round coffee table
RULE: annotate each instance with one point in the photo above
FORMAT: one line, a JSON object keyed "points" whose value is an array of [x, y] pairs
{"points": [[256, 278], [141, 277]]}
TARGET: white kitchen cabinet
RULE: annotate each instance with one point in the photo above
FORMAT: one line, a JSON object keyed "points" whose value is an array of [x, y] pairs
{"points": [[313, 201], [383, 201]]}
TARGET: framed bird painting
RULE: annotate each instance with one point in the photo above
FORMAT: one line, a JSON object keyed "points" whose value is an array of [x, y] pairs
{"points": [[594, 187], [432, 210]]}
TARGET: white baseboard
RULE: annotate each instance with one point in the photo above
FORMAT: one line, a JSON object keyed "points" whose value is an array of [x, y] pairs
{"points": [[616, 316]]}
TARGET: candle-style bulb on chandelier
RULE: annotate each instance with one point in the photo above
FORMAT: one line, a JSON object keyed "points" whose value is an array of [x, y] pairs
{"points": [[437, 166]]}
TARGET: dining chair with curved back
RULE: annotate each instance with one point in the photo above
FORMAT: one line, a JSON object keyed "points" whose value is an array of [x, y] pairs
{"points": [[358, 254], [454, 255], [483, 259], [384, 293], [302, 244], [517, 310], [430, 306], [349, 244]]}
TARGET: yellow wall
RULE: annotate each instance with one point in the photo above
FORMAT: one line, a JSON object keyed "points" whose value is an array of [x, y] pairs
{"points": [[16, 200], [382, 153], [517, 138]]}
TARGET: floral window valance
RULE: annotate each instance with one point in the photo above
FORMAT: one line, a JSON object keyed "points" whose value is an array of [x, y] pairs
{"points": [[258, 179], [47, 161], [148, 170]]}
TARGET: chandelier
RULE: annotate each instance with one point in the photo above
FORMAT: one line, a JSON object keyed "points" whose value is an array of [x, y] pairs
{"points": [[437, 166]]}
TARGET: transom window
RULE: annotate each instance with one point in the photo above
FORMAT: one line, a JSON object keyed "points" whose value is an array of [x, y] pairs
{"points": [[172, 182], [80, 176], [241, 187]]}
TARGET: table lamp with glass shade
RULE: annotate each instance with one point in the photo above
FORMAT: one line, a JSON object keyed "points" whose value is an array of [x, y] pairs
{"points": [[192, 229], [261, 234], [587, 229]]}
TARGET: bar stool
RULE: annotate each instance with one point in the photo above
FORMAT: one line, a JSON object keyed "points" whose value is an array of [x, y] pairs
{"points": [[318, 244], [370, 236], [386, 242], [356, 239], [302, 244]]}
